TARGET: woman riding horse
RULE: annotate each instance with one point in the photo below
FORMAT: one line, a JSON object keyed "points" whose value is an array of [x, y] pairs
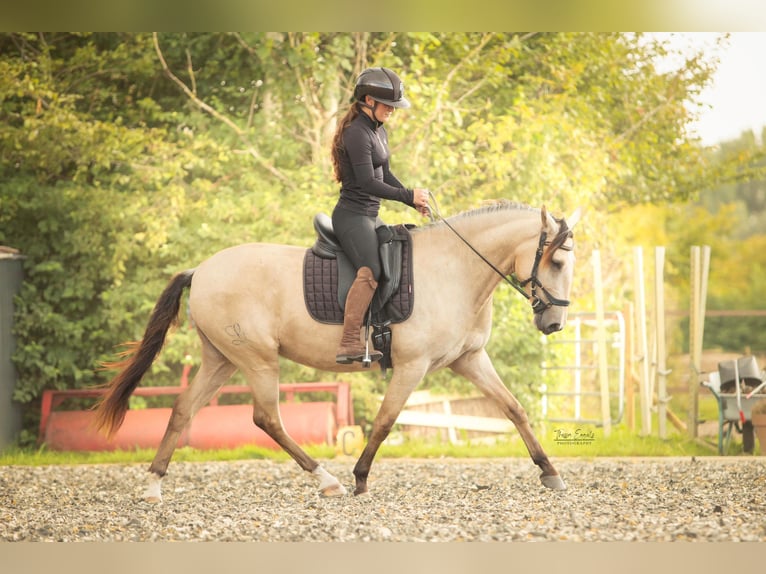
{"points": [[360, 157]]}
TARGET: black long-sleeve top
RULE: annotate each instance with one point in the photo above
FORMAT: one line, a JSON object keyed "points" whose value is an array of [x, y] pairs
{"points": [[364, 168]]}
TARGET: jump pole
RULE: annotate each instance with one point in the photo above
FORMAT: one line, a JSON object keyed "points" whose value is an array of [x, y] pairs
{"points": [[603, 373], [659, 299], [641, 339], [700, 265], [630, 373]]}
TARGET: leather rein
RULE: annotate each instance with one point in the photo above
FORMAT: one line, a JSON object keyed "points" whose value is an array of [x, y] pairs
{"points": [[538, 304]]}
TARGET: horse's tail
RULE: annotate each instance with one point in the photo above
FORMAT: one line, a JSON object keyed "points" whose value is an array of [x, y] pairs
{"points": [[111, 409]]}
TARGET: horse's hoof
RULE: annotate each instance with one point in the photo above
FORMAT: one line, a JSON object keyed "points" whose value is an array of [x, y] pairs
{"points": [[553, 481], [333, 491], [153, 491]]}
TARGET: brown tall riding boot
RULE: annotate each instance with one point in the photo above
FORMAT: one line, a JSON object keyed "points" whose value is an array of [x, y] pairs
{"points": [[358, 300]]}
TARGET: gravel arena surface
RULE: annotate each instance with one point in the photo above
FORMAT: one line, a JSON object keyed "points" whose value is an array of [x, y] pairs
{"points": [[439, 500]]}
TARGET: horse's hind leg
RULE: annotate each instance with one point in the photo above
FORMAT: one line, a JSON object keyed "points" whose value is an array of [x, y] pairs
{"points": [[477, 368], [264, 383], [214, 371]]}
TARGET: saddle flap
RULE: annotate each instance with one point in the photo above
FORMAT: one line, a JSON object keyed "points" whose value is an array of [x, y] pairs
{"points": [[386, 248], [394, 293]]}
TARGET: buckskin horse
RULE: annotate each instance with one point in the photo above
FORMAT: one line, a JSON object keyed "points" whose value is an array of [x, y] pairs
{"points": [[248, 308]]}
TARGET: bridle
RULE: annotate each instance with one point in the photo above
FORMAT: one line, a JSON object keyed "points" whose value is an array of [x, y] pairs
{"points": [[539, 305]]}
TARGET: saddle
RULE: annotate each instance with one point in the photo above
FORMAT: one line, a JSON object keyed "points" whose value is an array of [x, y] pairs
{"points": [[328, 275]]}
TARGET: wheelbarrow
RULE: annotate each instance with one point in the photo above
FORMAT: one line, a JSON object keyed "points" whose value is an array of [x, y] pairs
{"points": [[736, 386]]}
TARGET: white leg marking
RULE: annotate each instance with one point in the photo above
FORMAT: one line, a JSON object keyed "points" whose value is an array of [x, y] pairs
{"points": [[328, 484], [553, 482], [153, 492]]}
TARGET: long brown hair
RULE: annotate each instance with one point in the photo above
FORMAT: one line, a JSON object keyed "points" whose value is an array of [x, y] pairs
{"points": [[337, 139]]}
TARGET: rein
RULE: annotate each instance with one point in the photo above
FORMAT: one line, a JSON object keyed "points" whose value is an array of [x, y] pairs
{"points": [[538, 305]]}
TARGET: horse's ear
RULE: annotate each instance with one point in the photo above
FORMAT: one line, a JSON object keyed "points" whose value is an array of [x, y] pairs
{"points": [[547, 220], [575, 217]]}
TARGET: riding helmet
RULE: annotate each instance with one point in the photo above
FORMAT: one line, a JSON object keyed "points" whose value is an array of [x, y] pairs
{"points": [[382, 85]]}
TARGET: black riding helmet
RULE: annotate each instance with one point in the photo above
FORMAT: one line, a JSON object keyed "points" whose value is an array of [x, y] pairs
{"points": [[383, 86]]}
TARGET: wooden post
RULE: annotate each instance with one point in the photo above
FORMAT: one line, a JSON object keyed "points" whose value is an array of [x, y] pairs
{"points": [[640, 330], [630, 379], [700, 265], [578, 371], [603, 372], [659, 298], [703, 295], [694, 359]]}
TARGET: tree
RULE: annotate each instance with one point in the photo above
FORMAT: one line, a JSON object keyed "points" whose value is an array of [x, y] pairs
{"points": [[126, 157]]}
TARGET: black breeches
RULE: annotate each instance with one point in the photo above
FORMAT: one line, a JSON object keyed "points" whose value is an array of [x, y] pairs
{"points": [[356, 234]]}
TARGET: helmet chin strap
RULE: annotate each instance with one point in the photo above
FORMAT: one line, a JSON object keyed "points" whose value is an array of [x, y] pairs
{"points": [[372, 109]]}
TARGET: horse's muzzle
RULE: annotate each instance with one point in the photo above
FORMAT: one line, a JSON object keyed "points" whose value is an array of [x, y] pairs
{"points": [[552, 328], [552, 321]]}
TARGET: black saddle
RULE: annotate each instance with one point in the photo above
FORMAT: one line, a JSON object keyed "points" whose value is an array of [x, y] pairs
{"points": [[328, 275], [390, 243]]}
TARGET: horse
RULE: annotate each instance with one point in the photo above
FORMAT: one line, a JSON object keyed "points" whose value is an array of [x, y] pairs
{"points": [[248, 308]]}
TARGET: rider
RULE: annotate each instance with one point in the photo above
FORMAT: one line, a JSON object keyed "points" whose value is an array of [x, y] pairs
{"points": [[360, 157]]}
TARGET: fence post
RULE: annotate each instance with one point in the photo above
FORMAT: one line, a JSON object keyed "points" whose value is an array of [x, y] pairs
{"points": [[659, 298], [630, 378], [700, 265], [603, 374], [643, 347]]}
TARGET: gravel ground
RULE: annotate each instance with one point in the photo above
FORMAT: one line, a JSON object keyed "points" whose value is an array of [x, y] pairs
{"points": [[707, 499]]}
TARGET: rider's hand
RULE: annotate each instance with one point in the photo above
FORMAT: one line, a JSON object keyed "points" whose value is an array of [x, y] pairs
{"points": [[420, 197]]}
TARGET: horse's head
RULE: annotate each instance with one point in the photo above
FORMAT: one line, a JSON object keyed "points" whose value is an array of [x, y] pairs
{"points": [[548, 266]]}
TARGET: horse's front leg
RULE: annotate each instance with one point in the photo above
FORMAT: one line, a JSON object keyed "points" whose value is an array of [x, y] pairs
{"points": [[403, 381], [264, 383], [477, 367]]}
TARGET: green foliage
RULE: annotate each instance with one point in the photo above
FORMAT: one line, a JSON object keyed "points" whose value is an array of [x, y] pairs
{"points": [[729, 218], [128, 157]]}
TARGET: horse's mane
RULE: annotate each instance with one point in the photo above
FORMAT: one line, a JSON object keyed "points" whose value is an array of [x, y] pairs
{"points": [[498, 205], [490, 206], [503, 205]]}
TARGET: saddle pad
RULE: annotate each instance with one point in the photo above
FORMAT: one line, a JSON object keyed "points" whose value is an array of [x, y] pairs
{"points": [[320, 288], [320, 291]]}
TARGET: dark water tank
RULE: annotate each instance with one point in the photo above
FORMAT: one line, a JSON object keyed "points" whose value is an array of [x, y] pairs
{"points": [[10, 283]]}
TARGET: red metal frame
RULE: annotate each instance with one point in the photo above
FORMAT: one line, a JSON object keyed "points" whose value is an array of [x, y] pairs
{"points": [[342, 390]]}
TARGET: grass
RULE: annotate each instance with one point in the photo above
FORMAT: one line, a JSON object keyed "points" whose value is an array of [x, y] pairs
{"points": [[561, 441], [43, 456], [621, 442]]}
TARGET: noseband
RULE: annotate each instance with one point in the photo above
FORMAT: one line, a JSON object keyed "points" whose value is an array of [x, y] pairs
{"points": [[538, 304]]}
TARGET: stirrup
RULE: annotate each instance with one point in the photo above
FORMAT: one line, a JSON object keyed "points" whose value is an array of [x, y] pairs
{"points": [[363, 355]]}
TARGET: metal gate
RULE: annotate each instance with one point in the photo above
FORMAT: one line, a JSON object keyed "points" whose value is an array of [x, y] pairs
{"points": [[570, 370]]}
